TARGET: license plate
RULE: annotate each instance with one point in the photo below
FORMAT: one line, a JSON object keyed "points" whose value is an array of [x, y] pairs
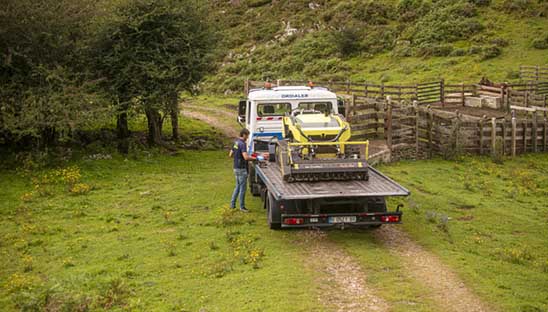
{"points": [[345, 219]]}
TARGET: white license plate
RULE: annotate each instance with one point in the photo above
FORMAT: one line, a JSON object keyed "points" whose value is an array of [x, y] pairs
{"points": [[345, 219]]}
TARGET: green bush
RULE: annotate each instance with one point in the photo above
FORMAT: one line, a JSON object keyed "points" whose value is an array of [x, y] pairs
{"points": [[346, 41], [459, 52], [257, 3], [409, 10], [525, 7], [447, 22], [372, 12], [541, 43], [434, 50], [490, 51], [480, 2]]}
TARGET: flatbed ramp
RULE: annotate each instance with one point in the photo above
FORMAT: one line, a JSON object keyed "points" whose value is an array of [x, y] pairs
{"points": [[377, 185]]}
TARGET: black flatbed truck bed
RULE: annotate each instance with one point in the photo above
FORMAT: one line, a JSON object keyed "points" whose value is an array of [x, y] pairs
{"points": [[326, 203]]}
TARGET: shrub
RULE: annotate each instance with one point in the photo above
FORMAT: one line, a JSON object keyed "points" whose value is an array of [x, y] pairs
{"points": [[541, 43], [480, 2], [257, 3], [347, 41], [409, 10], [435, 50], [490, 51], [459, 52], [446, 22], [372, 12], [525, 7]]}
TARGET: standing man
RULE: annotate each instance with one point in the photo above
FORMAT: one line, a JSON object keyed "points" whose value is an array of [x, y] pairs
{"points": [[241, 157]]}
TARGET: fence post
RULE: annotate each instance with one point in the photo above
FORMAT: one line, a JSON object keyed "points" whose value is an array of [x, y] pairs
{"points": [[481, 134], [388, 123], [353, 103], [442, 92], [545, 134], [430, 126], [503, 128], [347, 86], [377, 118], [382, 89], [246, 87], [493, 136], [524, 127], [417, 129], [506, 97], [534, 132], [513, 133], [457, 131], [462, 94], [366, 91]]}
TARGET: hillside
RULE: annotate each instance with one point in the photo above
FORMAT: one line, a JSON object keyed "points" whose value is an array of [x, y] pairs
{"points": [[388, 41]]}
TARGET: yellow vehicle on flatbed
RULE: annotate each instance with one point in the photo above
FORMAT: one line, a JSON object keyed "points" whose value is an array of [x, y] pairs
{"points": [[316, 147]]}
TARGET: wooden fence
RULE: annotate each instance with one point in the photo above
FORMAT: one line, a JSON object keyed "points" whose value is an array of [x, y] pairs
{"points": [[533, 73], [433, 93], [414, 131]]}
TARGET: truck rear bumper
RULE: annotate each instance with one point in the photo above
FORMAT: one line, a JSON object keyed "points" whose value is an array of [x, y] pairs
{"points": [[340, 219]]}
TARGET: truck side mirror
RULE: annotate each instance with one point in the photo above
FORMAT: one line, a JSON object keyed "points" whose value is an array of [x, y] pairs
{"points": [[340, 107], [241, 112], [241, 108]]}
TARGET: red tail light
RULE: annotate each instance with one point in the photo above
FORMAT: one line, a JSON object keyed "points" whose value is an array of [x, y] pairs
{"points": [[293, 221], [390, 218]]}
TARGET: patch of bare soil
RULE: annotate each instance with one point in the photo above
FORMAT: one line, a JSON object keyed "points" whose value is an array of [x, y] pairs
{"points": [[342, 283], [445, 286], [212, 121]]}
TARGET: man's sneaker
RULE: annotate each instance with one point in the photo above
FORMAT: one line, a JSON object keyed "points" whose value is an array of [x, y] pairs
{"points": [[244, 209]]}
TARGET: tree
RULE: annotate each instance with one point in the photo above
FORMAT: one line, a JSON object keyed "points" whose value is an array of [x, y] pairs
{"points": [[44, 90], [149, 52]]}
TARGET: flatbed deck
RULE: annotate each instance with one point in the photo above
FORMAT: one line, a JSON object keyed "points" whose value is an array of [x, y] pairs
{"points": [[377, 185]]}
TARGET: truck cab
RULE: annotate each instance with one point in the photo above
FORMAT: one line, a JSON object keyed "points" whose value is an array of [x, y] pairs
{"points": [[263, 110]]}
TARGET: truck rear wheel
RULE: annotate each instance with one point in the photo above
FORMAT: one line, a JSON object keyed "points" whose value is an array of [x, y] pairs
{"points": [[272, 213]]}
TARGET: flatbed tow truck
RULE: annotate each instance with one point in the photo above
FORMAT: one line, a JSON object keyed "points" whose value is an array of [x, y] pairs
{"points": [[337, 203]]}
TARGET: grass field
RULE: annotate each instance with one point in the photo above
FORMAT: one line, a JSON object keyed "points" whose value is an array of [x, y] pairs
{"points": [[154, 233]]}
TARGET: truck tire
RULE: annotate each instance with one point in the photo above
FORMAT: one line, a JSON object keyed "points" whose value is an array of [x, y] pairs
{"points": [[273, 215], [254, 186]]}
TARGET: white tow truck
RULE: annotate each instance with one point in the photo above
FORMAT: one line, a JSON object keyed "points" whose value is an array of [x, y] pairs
{"points": [[308, 204]]}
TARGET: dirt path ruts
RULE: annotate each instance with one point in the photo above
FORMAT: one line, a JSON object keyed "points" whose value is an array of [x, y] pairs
{"points": [[445, 286], [342, 282]]}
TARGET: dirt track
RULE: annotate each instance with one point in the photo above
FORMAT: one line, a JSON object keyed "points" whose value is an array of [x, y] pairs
{"points": [[343, 284]]}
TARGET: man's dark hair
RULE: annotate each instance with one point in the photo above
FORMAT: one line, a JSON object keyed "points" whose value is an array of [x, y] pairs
{"points": [[243, 132]]}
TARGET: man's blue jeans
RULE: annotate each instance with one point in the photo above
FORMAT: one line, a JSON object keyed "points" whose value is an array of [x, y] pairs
{"points": [[241, 184]]}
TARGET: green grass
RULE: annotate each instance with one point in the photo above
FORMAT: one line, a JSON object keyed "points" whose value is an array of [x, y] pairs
{"points": [[154, 233], [495, 237], [151, 235], [254, 46]]}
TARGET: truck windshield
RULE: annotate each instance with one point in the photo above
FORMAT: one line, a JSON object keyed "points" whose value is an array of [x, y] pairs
{"points": [[305, 121], [273, 109], [319, 106]]}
